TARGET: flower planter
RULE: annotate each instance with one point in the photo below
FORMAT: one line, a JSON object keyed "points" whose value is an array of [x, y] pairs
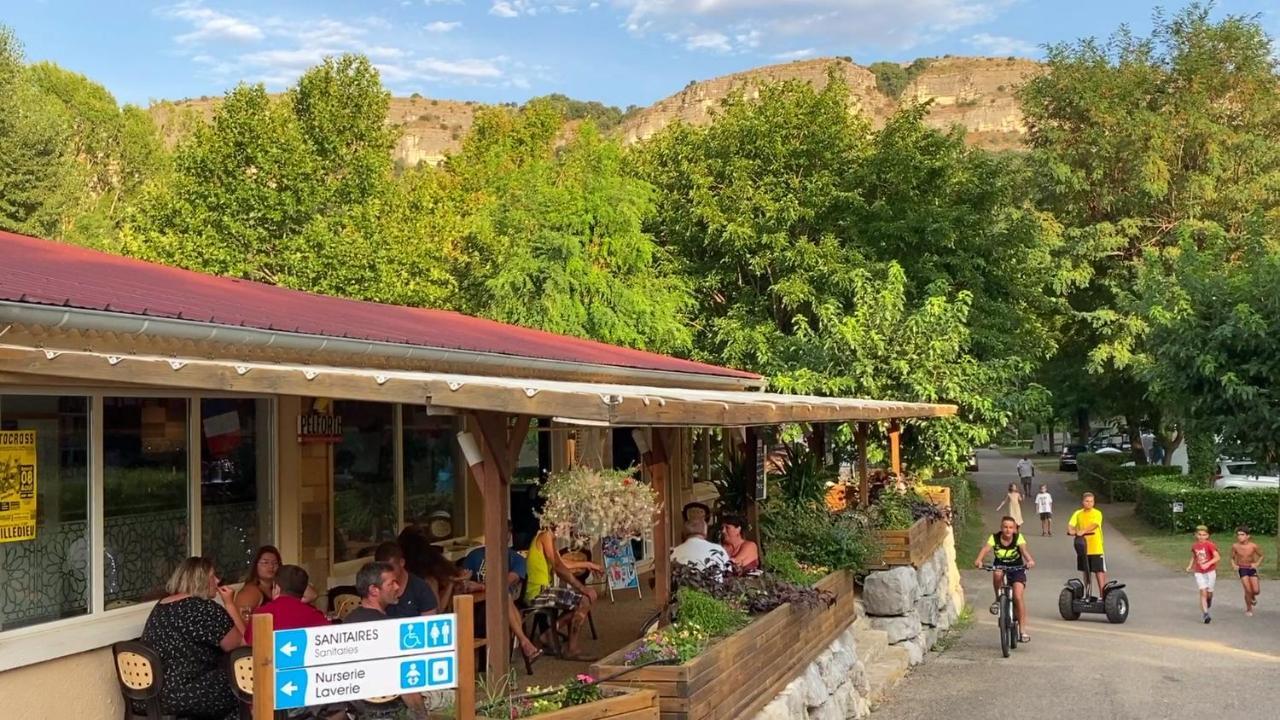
{"points": [[620, 703], [911, 546], [738, 675]]}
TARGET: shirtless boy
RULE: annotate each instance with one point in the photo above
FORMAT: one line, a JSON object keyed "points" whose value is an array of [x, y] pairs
{"points": [[1246, 556]]}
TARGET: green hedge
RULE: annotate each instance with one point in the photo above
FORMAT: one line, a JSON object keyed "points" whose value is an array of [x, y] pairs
{"points": [[963, 493], [1105, 477], [1220, 510]]}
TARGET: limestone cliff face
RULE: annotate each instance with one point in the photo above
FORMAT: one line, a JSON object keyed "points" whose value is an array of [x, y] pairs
{"points": [[975, 93]]}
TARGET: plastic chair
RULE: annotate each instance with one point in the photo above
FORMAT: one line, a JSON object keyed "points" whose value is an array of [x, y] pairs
{"points": [[342, 600], [140, 672], [240, 667]]}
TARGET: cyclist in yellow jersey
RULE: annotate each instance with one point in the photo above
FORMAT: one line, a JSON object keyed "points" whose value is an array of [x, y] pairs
{"points": [[1008, 548], [1086, 526]]}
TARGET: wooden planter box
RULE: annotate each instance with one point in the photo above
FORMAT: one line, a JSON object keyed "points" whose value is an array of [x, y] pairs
{"points": [[737, 676], [912, 546], [937, 494], [619, 703]]}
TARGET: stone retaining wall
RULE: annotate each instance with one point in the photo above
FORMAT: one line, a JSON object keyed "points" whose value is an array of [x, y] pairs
{"points": [[905, 609]]}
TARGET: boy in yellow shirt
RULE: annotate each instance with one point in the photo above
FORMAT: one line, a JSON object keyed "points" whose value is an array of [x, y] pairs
{"points": [[1086, 526]]}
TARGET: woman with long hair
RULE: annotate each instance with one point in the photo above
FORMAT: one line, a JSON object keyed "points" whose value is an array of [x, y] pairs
{"points": [[259, 580], [191, 632]]}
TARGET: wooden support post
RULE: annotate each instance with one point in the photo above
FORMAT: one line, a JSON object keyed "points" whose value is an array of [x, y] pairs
{"points": [[864, 480], [264, 669], [895, 448], [657, 466], [465, 700], [751, 459], [494, 474]]}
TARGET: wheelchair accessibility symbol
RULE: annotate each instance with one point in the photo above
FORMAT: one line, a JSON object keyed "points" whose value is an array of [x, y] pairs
{"points": [[413, 636]]}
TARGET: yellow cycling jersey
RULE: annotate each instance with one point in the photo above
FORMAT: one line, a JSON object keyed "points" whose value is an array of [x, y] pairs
{"points": [[1010, 554], [1085, 518]]}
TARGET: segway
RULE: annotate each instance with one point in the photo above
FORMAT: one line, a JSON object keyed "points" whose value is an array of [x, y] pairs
{"points": [[1076, 597]]}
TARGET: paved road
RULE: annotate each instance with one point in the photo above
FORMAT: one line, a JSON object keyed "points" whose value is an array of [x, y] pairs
{"points": [[1163, 663]]}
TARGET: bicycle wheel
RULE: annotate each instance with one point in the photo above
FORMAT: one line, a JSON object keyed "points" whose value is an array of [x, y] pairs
{"points": [[1014, 628], [1006, 623]]}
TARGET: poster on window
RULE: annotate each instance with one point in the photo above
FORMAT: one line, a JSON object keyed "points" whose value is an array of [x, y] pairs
{"points": [[619, 564], [17, 485]]}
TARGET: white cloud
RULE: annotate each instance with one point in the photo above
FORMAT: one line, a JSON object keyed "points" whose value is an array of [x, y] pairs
{"points": [[887, 24], [794, 54], [714, 41], [440, 26], [504, 9], [474, 69], [1001, 45], [210, 24]]}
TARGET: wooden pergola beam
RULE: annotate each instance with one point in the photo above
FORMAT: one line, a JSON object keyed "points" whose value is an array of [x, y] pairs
{"points": [[864, 480], [895, 448], [657, 466]]}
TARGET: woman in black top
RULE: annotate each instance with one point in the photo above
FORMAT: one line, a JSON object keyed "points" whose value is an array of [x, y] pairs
{"points": [[191, 632]]}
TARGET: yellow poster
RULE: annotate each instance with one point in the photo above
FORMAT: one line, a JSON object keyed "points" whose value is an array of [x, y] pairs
{"points": [[17, 485]]}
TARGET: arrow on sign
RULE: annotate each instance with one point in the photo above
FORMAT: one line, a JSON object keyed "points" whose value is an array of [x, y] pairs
{"points": [[289, 649], [289, 688]]}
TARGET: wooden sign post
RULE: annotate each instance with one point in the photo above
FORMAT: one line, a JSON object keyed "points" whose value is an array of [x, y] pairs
{"points": [[464, 702], [264, 667]]}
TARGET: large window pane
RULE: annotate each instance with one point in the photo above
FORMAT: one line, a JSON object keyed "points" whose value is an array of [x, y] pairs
{"points": [[144, 443], [47, 578], [364, 494], [433, 492], [235, 513]]}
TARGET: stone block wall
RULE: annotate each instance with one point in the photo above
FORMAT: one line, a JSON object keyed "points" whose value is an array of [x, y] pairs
{"points": [[911, 606]]}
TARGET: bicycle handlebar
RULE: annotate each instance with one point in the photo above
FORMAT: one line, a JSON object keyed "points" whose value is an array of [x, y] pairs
{"points": [[993, 568]]}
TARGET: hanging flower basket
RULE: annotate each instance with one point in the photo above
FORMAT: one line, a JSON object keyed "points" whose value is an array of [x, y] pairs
{"points": [[598, 503]]}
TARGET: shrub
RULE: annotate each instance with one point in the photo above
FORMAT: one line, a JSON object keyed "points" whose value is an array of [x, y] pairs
{"points": [[894, 510], [1218, 509], [783, 563], [963, 494], [814, 536], [715, 617], [1105, 477]]}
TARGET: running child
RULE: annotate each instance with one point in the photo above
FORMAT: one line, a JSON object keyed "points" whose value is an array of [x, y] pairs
{"points": [[1044, 506], [1246, 557], [1204, 563]]}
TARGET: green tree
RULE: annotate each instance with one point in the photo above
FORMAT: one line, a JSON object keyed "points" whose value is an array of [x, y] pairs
{"points": [[1140, 143], [783, 214], [553, 237]]}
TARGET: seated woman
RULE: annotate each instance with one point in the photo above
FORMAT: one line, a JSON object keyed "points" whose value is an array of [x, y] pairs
{"points": [[191, 633], [260, 581], [575, 600], [743, 553]]}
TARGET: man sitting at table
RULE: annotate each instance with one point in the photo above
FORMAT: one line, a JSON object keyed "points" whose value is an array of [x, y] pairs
{"points": [[697, 550], [379, 590], [416, 597], [517, 570], [286, 607]]}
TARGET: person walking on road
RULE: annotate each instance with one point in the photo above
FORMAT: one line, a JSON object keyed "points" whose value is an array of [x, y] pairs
{"points": [[1044, 506], [1204, 563], [1026, 472], [1086, 526], [1246, 556], [1014, 500]]}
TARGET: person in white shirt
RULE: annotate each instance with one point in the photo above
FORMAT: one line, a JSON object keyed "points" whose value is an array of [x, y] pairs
{"points": [[1044, 506], [1026, 471], [696, 550]]}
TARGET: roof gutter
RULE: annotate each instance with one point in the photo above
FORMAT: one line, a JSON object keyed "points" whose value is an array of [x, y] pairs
{"points": [[514, 365]]}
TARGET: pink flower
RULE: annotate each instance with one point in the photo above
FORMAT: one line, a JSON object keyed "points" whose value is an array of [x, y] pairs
{"points": [[582, 677]]}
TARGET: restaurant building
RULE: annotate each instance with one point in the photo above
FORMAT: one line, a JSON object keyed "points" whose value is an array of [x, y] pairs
{"points": [[149, 413]]}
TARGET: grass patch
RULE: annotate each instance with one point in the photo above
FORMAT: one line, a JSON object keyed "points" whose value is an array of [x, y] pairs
{"points": [[970, 533], [957, 629], [1173, 550]]}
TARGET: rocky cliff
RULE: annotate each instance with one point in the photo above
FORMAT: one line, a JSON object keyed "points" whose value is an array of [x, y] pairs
{"points": [[976, 93]]}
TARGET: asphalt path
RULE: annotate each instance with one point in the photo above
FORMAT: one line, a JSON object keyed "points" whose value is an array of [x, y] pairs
{"points": [[1163, 663]]}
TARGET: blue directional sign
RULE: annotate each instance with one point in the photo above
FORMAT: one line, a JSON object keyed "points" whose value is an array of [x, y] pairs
{"points": [[290, 647], [291, 689], [440, 632]]}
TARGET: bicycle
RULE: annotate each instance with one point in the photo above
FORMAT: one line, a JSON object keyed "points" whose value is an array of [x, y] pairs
{"points": [[1010, 630]]}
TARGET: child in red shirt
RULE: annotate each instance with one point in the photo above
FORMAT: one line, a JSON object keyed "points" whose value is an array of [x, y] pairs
{"points": [[1204, 563]]}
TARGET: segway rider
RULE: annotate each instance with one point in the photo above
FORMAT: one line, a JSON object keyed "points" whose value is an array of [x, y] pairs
{"points": [[1086, 526], [1009, 550]]}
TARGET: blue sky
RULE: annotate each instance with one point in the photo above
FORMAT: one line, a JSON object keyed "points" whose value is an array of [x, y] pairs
{"points": [[617, 51]]}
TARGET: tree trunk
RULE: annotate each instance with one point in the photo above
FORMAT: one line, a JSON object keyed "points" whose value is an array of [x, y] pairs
{"points": [[1170, 446], [1135, 441], [818, 440], [1082, 425]]}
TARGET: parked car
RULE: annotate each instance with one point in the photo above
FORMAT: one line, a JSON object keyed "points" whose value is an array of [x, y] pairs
{"points": [[1108, 451], [1242, 475], [1067, 460]]}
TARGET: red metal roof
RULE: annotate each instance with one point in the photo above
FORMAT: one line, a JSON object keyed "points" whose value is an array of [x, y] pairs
{"points": [[43, 272]]}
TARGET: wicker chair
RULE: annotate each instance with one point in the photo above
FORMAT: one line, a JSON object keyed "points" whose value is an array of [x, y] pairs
{"points": [[240, 667], [140, 672], [342, 600]]}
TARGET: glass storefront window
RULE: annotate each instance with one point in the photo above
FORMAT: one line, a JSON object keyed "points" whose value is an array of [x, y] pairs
{"points": [[364, 492], [47, 577], [235, 491], [434, 495], [144, 446]]}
